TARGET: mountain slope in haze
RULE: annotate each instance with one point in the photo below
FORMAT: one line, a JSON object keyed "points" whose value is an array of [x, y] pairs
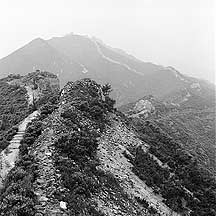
{"points": [[74, 56], [191, 123], [37, 54]]}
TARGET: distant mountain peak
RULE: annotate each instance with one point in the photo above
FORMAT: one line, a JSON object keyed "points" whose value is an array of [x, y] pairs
{"points": [[37, 41], [74, 56]]}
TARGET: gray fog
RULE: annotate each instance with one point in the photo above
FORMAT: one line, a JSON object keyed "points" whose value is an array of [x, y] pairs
{"points": [[179, 33]]}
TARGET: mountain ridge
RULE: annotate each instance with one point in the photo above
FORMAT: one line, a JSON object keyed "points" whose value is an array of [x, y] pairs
{"points": [[75, 57], [81, 156]]}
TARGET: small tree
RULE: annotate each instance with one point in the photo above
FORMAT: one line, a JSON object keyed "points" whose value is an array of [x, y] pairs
{"points": [[34, 107], [106, 89], [3, 122], [109, 103]]}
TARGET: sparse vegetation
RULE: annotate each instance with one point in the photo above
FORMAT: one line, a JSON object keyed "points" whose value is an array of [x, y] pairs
{"points": [[17, 197], [184, 186], [79, 123], [13, 109], [76, 158]]}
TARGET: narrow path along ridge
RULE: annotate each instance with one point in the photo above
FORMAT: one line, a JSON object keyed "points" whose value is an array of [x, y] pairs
{"points": [[9, 155]]}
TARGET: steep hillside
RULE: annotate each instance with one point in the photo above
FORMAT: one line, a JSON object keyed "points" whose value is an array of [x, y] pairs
{"points": [[191, 123], [39, 85], [19, 96], [180, 164], [11, 152], [13, 109], [81, 156], [74, 57], [36, 55]]}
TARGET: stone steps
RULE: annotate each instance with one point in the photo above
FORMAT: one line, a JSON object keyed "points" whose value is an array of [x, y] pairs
{"points": [[10, 154], [18, 136], [21, 132], [14, 142]]}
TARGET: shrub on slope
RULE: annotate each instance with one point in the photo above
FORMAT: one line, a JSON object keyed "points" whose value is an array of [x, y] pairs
{"points": [[13, 109], [180, 181], [17, 197]]}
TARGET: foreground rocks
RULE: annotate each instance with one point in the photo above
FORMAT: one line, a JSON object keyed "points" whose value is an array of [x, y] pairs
{"points": [[48, 183]]}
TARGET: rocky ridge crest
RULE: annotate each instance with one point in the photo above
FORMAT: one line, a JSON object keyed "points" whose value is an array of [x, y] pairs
{"points": [[83, 157]]}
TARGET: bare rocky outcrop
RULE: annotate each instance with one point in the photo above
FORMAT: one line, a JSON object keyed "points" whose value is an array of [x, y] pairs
{"points": [[113, 145]]}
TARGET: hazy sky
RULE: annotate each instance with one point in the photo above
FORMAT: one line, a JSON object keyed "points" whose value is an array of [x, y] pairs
{"points": [[166, 32]]}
